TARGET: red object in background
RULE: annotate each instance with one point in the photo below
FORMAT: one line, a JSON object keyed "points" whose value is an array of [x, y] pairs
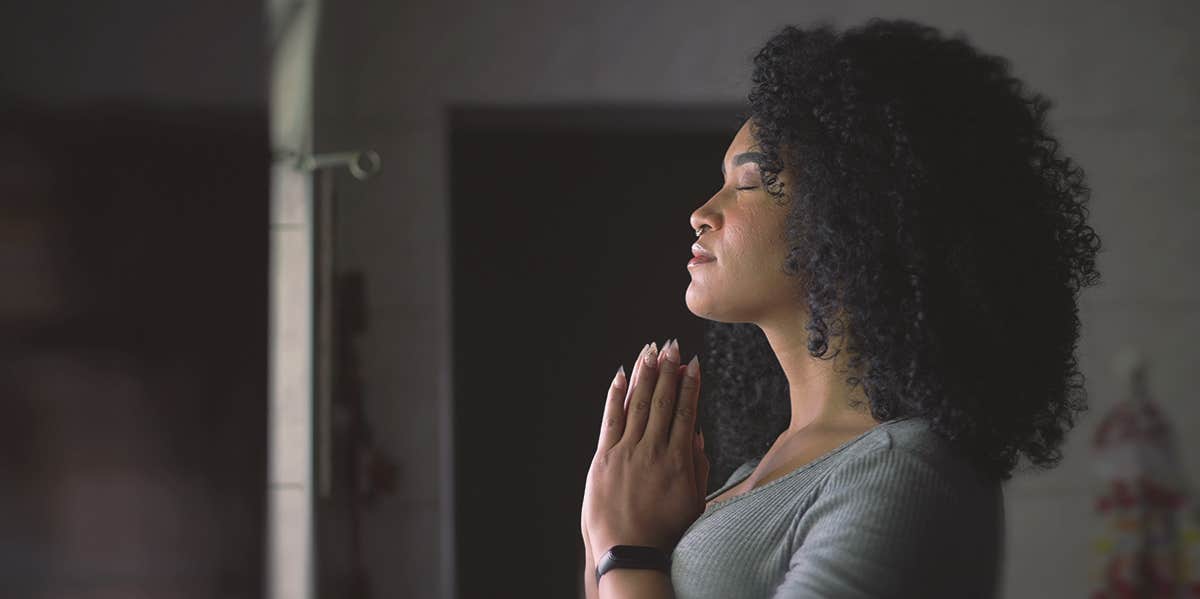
{"points": [[1150, 543]]}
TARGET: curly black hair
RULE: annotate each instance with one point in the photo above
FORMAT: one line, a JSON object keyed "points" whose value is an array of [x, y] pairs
{"points": [[935, 229]]}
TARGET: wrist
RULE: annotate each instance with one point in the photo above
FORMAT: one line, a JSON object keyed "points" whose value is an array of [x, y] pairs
{"points": [[626, 582], [631, 558]]}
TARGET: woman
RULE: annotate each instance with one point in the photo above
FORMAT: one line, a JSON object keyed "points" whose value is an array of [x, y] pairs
{"points": [[897, 250]]}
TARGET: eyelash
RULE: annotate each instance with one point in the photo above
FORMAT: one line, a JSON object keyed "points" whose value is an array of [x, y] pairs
{"points": [[745, 188]]}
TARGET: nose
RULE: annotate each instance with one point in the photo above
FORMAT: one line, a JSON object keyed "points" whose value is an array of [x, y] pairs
{"points": [[705, 216]]}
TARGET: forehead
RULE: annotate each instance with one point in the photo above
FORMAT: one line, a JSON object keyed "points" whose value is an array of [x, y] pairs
{"points": [[742, 141]]}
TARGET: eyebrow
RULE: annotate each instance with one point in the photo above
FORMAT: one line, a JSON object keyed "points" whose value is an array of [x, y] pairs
{"points": [[744, 157]]}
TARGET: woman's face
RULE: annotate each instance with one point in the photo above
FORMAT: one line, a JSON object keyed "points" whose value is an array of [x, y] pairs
{"points": [[745, 233]]}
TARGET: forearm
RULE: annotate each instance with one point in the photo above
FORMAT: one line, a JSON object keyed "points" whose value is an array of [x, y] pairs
{"points": [[628, 583]]}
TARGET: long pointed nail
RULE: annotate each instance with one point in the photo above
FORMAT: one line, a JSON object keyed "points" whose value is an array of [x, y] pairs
{"points": [[651, 359], [637, 364]]}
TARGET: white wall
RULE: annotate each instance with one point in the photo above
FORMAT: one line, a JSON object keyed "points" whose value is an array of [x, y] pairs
{"points": [[165, 52], [1126, 80]]}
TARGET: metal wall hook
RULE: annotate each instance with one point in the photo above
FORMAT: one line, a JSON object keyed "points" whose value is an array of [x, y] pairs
{"points": [[362, 165]]}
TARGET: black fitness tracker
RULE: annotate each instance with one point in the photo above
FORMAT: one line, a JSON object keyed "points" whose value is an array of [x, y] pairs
{"points": [[633, 556]]}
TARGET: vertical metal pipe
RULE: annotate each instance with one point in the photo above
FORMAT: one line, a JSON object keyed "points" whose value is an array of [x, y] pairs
{"points": [[290, 571], [290, 388], [324, 226]]}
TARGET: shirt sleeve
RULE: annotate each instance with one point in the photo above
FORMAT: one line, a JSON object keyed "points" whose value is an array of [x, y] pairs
{"points": [[890, 523]]}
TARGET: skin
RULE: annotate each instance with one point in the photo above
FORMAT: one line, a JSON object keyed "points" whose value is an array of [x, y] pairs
{"points": [[746, 283], [647, 481]]}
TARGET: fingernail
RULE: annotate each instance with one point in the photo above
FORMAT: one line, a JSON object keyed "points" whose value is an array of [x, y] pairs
{"points": [[693, 368], [673, 351], [651, 358], [619, 380]]}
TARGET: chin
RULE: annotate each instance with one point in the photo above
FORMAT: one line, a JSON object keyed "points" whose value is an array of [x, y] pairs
{"points": [[699, 303], [693, 300], [730, 310]]}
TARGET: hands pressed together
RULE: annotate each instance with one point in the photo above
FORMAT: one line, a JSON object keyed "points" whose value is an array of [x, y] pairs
{"points": [[647, 481]]}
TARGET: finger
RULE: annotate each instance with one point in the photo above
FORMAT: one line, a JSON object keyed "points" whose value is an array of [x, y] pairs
{"points": [[613, 423], [662, 405], [639, 401], [685, 409], [634, 376], [700, 463]]}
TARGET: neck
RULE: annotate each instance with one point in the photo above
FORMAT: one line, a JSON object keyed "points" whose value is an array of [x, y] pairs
{"points": [[818, 392]]}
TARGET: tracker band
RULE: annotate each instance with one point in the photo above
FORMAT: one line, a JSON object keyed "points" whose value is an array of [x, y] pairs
{"points": [[634, 557]]}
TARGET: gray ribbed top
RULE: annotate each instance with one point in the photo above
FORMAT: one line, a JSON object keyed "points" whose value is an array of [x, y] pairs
{"points": [[894, 512]]}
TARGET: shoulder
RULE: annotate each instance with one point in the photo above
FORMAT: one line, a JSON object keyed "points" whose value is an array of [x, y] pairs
{"points": [[914, 435], [903, 510], [906, 475], [907, 452]]}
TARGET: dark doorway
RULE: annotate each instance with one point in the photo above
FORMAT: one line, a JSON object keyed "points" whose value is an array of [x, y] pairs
{"points": [[570, 238]]}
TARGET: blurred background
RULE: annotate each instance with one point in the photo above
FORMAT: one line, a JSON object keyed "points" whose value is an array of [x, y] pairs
{"points": [[310, 299]]}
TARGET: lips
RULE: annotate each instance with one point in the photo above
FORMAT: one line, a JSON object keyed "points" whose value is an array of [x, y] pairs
{"points": [[702, 256]]}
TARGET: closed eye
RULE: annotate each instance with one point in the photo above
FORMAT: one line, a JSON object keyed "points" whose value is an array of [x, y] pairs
{"points": [[745, 188]]}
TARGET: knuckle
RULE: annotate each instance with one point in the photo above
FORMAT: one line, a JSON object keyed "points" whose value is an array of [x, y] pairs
{"points": [[677, 464], [610, 457], [685, 412], [663, 402], [642, 404]]}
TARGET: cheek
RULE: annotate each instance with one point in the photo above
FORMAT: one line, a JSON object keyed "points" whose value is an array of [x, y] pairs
{"points": [[739, 245], [754, 245]]}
